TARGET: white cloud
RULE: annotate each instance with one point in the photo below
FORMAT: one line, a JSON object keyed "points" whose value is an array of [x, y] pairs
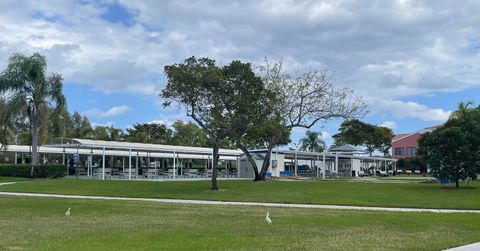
{"points": [[400, 109], [389, 124], [398, 48], [326, 135], [388, 49], [108, 124], [114, 111]]}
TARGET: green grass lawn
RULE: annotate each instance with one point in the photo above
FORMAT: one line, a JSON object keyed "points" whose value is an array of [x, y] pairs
{"points": [[40, 224], [419, 195], [10, 179]]}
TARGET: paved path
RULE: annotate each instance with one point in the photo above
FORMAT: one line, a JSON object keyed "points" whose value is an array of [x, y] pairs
{"points": [[235, 203], [7, 183], [470, 247]]}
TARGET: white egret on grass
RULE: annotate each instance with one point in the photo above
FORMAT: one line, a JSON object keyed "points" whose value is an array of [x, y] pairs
{"points": [[68, 213], [269, 221]]}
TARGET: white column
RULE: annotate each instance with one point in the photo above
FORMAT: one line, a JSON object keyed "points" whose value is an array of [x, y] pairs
{"points": [[238, 167], [129, 164], [63, 157], [136, 166], [89, 167], [296, 160], [336, 163], [174, 166], [15, 158], [324, 167], [317, 164], [103, 164], [123, 164], [351, 166]]}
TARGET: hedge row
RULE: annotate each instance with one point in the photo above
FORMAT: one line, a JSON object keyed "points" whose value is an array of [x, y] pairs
{"points": [[40, 171]]}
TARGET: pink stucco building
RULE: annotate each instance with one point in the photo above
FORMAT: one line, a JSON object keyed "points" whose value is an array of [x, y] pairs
{"points": [[406, 145]]}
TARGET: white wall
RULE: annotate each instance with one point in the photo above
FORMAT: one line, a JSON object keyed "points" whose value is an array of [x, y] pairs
{"points": [[246, 169]]}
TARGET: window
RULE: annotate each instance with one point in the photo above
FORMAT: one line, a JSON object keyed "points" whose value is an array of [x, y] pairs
{"points": [[399, 150], [411, 150]]}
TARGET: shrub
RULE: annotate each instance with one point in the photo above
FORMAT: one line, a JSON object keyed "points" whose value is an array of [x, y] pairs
{"points": [[40, 171]]}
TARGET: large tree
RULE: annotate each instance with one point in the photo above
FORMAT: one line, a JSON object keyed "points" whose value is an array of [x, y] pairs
{"points": [[312, 142], [6, 126], [82, 127], [303, 101], [149, 133], [189, 134], [453, 150], [249, 117], [30, 88], [358, 133], [196, 85]]}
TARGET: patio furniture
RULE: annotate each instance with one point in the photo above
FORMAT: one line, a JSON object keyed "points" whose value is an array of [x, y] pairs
{"points": [[80, 171], [193, 173], [151, 173], [98, 172], [126, 174], [170, 173]]}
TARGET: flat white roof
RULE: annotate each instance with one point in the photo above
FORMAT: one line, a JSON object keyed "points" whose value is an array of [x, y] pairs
{"points": [[137, 147], [117, 153]]}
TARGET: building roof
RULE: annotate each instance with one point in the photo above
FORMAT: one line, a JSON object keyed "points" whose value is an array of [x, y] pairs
{"points": [[136, 147], [345, 148], [117, 152], [399, 137]]}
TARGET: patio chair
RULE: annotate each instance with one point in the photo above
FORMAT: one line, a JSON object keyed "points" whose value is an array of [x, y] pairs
{"points": [[193, 173], [126, 174], [152, 173]]}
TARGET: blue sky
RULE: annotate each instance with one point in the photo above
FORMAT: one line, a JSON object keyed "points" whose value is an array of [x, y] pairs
{"points": [[412, 61]]}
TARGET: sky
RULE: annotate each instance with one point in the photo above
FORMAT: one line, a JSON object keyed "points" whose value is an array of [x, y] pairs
{"points": [[412, 61]]}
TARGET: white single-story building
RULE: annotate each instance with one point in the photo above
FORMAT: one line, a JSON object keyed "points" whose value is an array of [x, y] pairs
{"points": [[107, 159], [342, 161]]}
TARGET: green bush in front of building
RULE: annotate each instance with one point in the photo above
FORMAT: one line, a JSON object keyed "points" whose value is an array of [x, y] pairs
{"points": [[40, 171]]}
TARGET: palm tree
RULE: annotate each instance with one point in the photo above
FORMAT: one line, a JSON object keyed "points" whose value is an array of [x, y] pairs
{"points": [[312, 142], [6, 126], [28, 87], [462, 110]]}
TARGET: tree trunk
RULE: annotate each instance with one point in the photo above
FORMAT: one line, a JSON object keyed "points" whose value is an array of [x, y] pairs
{"points": [[251, 160], [215, 166], [35, 135], [266, 162], [456, 183]]}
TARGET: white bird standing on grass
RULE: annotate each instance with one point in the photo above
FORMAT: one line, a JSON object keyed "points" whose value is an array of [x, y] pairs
{"points": [[68, 213], [269, 221]]}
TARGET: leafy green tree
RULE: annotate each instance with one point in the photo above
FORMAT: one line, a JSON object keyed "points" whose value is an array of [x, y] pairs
{"points": [[453, 150], [6, 126], [189, 134], [115, 134], [101, 133], [312, 142], [149, 133], [31, 89], [196, 85], [81, 127], [413, 163], [358, 133], [61, 126], [249, 117]]}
